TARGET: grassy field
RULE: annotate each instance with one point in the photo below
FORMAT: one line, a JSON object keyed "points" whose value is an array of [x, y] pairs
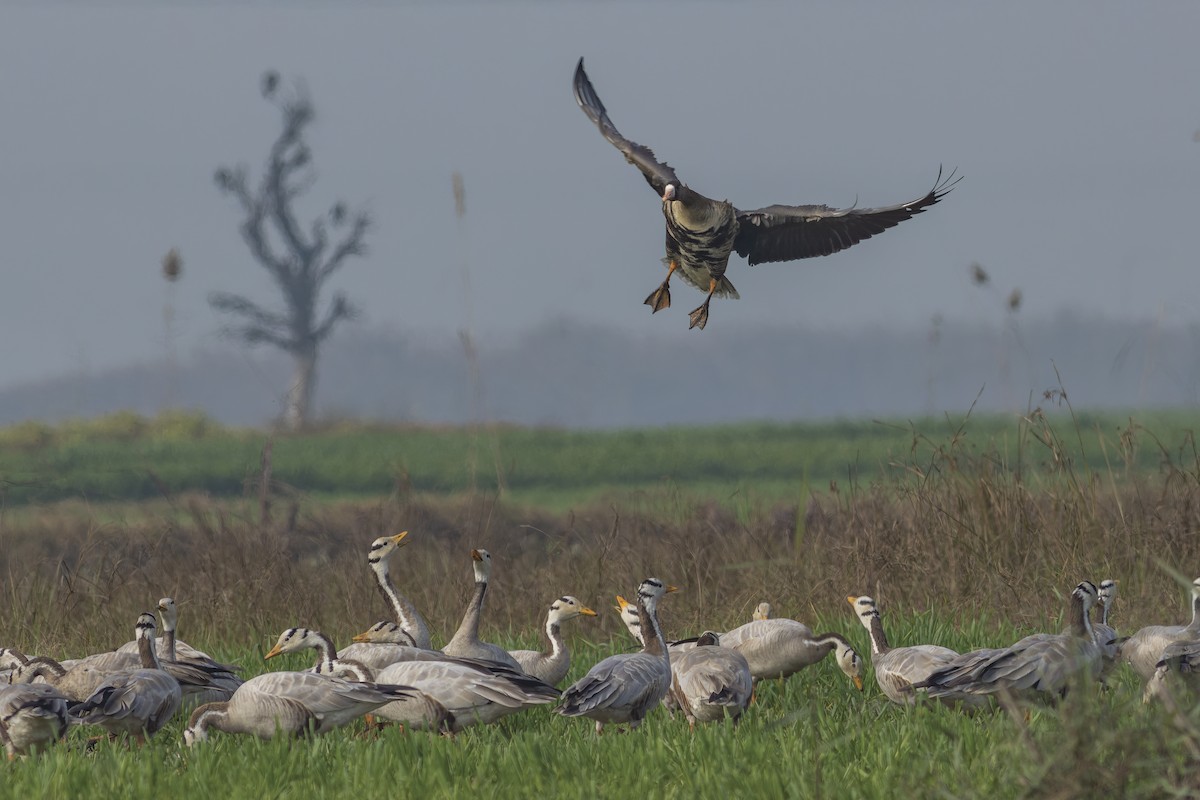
{"points": [[127, 458], [969, 535]]}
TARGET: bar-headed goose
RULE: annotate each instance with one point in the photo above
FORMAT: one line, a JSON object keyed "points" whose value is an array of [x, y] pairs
{"points": [[554, 665], [139, 702], [465, 643], [31, 715], [291, 704], [1041, 664], [624, 687], [777, 648], [709, 681], [1143, 650], [409, 619], [898, 668], [761, 611], [385, 643], [462, 692], [328, 661]]}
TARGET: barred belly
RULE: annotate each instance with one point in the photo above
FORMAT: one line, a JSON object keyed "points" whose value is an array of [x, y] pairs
{"points": [[700, 245]]}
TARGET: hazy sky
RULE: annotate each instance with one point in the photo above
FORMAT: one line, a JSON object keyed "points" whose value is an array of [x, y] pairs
{"points": [[1072, 122]]}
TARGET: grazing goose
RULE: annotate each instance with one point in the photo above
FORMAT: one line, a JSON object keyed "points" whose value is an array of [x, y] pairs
{"points": [[777, 648], [1041, 664], [553, 666], [462, 692], [292, 704], [409, 619], [710, 680], [761, 611], [465, 642], [139, 702], [1144, 649], [31, 715], [702, 233], [624, 687], [898, 668]]}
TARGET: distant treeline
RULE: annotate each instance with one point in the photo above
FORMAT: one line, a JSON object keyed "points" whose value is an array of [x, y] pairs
{"points": [[575, 376]]}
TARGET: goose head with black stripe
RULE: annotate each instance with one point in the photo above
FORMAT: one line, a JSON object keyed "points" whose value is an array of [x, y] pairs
{"points": [[554, 664], [703, 233], [296, 639], [407, 616]]}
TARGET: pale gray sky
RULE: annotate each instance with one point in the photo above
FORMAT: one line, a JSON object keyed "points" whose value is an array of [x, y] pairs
{"points": [[1072, 122]]}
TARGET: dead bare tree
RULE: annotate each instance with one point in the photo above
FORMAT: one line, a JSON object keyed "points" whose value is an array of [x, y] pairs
{"points": [[300, 259]]}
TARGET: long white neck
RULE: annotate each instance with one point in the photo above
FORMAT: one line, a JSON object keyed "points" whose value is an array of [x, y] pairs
{"points": [[1194, 625], [214, 715], [554, 638], [406, 613]]}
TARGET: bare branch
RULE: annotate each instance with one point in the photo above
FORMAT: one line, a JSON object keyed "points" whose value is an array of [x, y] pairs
{"points": [[352, 244], [244, 307], [341, 308]]}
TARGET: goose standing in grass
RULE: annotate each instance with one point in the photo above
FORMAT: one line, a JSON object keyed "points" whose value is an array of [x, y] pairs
{"points": [[415, 709], [139, 702], [1038, 665], [777, 648], [462, 692], [1106, 634], [554, 665], [709, 681], [407, 616], [1144, 649], [633, 624], [624, 687], [703, 233], [465, 642], [898, 668], [291, 704], [31, 715]]}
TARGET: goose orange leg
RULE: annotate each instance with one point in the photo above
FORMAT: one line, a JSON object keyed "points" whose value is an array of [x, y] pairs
{"points": [[660, 298], [699, 317]]}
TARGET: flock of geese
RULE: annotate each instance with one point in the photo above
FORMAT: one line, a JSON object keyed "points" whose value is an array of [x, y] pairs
{"points": [[391, 672]]}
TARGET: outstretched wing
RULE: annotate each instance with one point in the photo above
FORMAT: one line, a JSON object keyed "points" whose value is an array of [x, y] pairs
{"points": [[657, 174], [786, 233]]}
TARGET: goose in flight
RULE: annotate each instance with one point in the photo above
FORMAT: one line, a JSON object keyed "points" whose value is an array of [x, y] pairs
{"points": [[702, 233]]}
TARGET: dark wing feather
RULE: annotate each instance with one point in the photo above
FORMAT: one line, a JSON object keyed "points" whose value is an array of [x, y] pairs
{"points": [[786, 233], [657, 174]]}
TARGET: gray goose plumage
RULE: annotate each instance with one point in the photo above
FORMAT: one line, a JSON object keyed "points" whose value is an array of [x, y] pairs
{"points": [[702, 233], [328, 660], [383, 644], [138, 702], [31, 715], [778, 648], [897, 669], [1106, 634], [554, 665], [624, 687], [465, 643], [710, 681], [406, 613], [291, 704], [1143, 650], [1038, 665]]}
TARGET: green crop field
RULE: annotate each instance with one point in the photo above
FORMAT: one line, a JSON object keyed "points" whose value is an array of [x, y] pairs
{"points": [[969, 531]]}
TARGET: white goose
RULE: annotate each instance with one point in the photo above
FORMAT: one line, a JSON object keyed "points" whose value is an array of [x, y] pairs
{"points": [[1041, 664], [709, 681], [291, 704], [898, 668], [31, 715], [624, 687], [553, 666], [777, 648], [139, 702], [409, 619], [1144, 649], [465, 643]]}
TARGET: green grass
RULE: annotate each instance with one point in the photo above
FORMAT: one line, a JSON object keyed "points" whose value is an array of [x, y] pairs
{"points": [[122, 459], [811, 736]]}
